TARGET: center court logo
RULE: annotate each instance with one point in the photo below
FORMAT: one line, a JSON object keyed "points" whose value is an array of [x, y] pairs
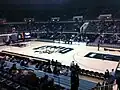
{"points": [[52, 49]]}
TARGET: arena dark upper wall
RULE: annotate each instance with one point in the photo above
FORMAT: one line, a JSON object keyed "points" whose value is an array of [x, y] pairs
{"points": [[46, 8], [71, 3]]}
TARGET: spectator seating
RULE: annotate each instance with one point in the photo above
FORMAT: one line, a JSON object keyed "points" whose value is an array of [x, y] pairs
{"points": [[82, 71], [60, 80]]}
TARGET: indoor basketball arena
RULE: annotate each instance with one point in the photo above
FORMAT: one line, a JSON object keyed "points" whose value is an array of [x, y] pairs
{"points": [[59, 45]]}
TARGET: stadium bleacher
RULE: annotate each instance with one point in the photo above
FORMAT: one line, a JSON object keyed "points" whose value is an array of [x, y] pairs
{"points": [[61, 80], [107, 31]]}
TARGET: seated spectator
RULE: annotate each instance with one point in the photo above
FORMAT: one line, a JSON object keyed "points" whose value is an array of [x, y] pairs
{"points": [[44, 79], [29, 63], [32, 79], [49, 69], [58, 70], [51, 84], [14, 60], [2, 64], [26, 63], [13, 68], [22, 63], [65, 71], [44, 68], [7, 57], [37, 65], [40, 66], [18, 75], [10, 59], [44, 83], [48, 63], [55, 70], [7, 65]]}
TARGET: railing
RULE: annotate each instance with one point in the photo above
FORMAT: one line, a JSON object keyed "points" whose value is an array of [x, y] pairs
{"points": [[83, 27], [106, 87], [61, 80], [105, 45]]}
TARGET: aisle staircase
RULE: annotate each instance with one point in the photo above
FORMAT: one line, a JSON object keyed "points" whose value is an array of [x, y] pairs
{"points": [[83, 27], [82, 30], [97, 40]]}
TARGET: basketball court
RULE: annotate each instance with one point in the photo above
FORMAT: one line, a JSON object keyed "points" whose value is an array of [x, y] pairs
{"points": [[77, 55]]}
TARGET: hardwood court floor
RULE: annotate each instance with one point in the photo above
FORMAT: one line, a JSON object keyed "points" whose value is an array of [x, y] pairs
{"points": [[76, 55]]}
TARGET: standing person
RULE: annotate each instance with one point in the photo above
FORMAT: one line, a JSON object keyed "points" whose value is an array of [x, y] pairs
{"points": [[73, 74], [77, 68], [72, 64], [107, 74], [98, 86], [99, 42], [76, 81], [98, 46], [112, 76], [23, 36], [112, 73], [74, 77], [118, 82]]}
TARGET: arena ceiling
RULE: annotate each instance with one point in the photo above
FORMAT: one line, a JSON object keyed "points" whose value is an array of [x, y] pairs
{"points": [[43, 8], [45, 4]]}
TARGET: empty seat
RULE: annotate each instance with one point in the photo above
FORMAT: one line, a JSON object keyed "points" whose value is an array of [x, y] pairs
{"points": [[2, 79], [15, 85], [91, 73], [22, 88], [8, 82], [83, 72], [96, 74], [87, 72], [101, 76]]}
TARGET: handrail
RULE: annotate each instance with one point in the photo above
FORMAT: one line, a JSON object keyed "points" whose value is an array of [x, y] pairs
{"points": [[24, 56], [61, 80], [107, 87], [105, 45]]}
